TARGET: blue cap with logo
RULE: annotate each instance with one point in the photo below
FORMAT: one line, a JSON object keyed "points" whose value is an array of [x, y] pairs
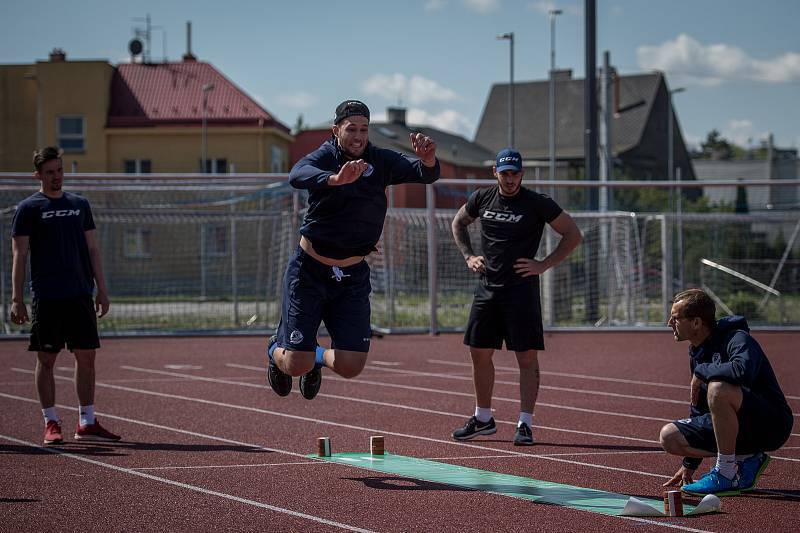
{"points": [[508, 159]]}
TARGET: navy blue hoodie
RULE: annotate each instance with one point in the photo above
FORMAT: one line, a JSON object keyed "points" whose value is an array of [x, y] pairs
{"points": [[731, 355], [347, 220]]}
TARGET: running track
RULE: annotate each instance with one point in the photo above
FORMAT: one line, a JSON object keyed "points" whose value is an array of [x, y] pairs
{"points": [[208, 446]]}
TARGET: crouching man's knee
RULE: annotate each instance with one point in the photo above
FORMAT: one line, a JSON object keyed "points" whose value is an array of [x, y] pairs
{"points": [[672, 440]]}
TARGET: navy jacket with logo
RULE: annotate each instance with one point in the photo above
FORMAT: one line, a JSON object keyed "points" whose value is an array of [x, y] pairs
{"points": [[731, 355], [347, 220]]}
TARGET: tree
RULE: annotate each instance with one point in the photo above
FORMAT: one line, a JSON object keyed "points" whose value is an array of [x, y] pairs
{"points": [[716, 147], [299, 125]]}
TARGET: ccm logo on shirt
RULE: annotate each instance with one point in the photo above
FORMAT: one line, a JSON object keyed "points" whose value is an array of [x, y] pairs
{"points": [[501, 217], [61, 213]]}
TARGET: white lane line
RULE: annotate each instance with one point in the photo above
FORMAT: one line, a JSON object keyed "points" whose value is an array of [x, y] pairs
{"points": [[582, 376], [548, 387], [618, 452], [387, 404], [212, 437], [516, 384], [194, 488], [568, 375], [408, 407], [203, 467]]}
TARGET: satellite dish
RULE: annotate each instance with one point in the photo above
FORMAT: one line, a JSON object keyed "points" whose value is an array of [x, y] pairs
{"points": [[135, 47]]}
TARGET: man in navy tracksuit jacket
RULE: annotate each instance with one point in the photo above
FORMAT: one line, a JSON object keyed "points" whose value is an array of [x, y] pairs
{"points": [[738, 410], [327, 278]]}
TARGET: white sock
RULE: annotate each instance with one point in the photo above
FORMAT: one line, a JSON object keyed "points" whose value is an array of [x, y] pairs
{"points": [[525, 418], [50, 415], [740, 458], [726, 464], [87, 415], [483, 414]]}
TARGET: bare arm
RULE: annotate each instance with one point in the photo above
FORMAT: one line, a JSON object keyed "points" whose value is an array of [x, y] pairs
{"points": [[571, 237], [460, 229], [101, 300], [19, 252]]}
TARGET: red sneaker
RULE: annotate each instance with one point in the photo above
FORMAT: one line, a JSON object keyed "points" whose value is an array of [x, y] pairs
{"points": [[52, 433], [95, 432]]}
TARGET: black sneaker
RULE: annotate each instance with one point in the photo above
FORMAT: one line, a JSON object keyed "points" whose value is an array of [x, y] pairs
{"points": [[473, 428], [281, 383], [310, 382], [523, 436]]}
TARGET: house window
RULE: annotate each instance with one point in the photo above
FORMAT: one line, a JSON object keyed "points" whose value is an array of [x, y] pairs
{"points": [[217, 166], [137, 166], [277, 159], [216, 240], [137, 243], [71, 133]]}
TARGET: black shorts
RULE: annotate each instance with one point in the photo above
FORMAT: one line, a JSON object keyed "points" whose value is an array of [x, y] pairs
{"points": [[313, 293], [70, 321], [763, 427], [511, 314]]}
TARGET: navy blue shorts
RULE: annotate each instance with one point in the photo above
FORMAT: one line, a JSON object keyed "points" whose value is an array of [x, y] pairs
{"points": [[511, 314], [763, 426], [314, 293]]}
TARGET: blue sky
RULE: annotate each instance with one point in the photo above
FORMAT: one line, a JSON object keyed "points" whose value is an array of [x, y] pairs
{"points": [[738, 60]]}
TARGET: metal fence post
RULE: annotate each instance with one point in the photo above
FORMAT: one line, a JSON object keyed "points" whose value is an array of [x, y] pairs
{"points": [[234, 280], [430, 204], [388, 251], [666, 265]]}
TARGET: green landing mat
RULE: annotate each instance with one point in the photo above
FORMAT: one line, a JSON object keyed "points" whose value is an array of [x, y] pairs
{"points": [[595, 501]]}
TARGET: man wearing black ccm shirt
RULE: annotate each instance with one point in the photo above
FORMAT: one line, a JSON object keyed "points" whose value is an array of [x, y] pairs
{"points": [[58, 229], [506, 305], [327, 278]]}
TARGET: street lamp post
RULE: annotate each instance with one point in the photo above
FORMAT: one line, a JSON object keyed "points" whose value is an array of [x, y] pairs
{"points": [[510, 38], [674, 192], [553, 14], [208, 87]]}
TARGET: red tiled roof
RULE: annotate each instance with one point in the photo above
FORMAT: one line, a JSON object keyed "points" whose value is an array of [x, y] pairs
{"points": [[171, 94]]}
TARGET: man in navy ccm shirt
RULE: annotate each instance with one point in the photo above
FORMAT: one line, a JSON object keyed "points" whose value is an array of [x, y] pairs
{"points": [[58, 229], [737, 408], [506, 304], [327, 278]]}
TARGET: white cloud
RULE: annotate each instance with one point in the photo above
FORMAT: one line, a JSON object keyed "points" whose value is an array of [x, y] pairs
{"points": [[692, 62], [435, 5], [482, 6], [447, 120], [742, 131], [299, 100], [415, 90]]}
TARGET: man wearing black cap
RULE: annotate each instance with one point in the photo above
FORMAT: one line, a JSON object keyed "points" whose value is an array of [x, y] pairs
{"points": [[327, 278], [506, 304]]}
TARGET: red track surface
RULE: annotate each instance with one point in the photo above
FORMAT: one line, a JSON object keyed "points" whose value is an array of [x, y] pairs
{"points": [[224, 453]]}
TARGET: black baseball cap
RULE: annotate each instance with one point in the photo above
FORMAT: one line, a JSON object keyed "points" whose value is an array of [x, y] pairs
{"points": [[350, 108]]}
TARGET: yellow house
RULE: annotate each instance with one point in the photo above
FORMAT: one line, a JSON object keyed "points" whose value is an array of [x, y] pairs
{"points": [[136, 118]]}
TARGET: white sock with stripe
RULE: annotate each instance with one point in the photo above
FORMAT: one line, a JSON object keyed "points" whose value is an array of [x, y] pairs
{"points": [[50, 415], [86, 413], [483, 414]]}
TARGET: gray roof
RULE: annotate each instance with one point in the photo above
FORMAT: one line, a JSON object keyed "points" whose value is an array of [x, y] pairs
{"points": [[636, 95], [450, 148]]}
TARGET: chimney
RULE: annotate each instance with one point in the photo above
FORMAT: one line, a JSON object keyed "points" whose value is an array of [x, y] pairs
{"points": [[562, 74], [396, 115], [189, 56], [58, 56]]}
